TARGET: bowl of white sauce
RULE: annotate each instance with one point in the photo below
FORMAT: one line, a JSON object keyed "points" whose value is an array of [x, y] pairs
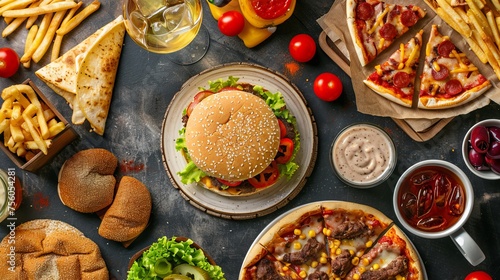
{"points": [[363, 155]]}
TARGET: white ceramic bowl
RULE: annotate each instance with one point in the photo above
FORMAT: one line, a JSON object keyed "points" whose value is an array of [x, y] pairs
{"points": [[358, 152], [485, 174]]}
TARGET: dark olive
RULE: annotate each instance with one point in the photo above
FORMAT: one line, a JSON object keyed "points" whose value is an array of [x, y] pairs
{"points": [[475, 158], [494, 164], [494, 150], [480, 139], [494, 132]]}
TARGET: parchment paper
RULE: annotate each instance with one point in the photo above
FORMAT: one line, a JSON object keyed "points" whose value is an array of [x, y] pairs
{"points": [[369, 102]]}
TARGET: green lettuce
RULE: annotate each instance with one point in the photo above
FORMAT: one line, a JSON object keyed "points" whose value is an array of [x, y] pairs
{"points": [[192, 174], [175, 253]]}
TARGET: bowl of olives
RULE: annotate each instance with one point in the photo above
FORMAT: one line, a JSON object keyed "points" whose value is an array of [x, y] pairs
{"points": [[481, 149]]}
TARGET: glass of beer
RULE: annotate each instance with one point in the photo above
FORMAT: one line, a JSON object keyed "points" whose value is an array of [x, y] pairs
{"points": [[168, 27]]}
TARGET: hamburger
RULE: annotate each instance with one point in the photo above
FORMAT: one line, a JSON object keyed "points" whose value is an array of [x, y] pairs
{"points": [[237, 138]]}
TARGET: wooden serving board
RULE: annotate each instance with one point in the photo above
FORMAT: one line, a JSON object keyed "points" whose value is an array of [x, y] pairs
{"points": [[419, 130]]}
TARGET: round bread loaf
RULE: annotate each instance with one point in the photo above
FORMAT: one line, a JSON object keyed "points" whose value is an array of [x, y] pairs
{"points": [[86, 180], [129, 213], [232, 135], [50, 249]]}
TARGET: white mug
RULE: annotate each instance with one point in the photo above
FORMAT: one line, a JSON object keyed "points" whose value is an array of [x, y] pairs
{"points": [[467, 246]]}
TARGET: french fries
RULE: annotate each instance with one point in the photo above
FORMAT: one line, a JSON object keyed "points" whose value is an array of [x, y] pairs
{"points": [[478, 21], [53, 19], [27, 124]]}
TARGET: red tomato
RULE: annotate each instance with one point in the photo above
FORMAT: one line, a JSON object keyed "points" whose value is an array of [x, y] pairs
{"points": [[327, 86], [478, 275], [9, 62], [267, 177], [282, 128], [197, 99], [285, 151], [229, 183], [302, 47], [231, 23]]}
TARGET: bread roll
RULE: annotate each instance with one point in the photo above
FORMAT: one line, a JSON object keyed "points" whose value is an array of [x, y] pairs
{"points": [[129, 213], [50, 249], [86, 180]]}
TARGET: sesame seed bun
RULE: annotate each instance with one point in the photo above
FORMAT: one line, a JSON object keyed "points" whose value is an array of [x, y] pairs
{"points": [[87, 181], [232, 135]]}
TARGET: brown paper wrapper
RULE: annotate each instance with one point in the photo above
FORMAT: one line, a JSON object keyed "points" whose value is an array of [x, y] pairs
{"points": [[369, 102]]}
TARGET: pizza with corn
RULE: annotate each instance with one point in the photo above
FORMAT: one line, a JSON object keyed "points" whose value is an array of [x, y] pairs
{"points": [[449, 78], [332, 240], [394, 79], [374, 25]]}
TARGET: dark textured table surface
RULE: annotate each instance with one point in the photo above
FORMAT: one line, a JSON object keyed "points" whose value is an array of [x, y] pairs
{"points": [[145, 85]]}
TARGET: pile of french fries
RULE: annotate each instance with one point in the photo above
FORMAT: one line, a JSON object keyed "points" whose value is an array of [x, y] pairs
{"points": [[57, 18], [28, 124], [478, 21]]}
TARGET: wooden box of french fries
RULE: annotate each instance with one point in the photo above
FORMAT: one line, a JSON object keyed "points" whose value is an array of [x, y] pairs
{"points": [[32, 131]]}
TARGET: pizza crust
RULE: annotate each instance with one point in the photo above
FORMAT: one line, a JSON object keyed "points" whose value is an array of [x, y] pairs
{"points": [[384, 92], [414, 257], [353, 31], [429, 102]]}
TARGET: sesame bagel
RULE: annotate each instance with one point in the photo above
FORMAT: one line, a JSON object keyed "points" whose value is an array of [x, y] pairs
{"points": [[232, 135]]}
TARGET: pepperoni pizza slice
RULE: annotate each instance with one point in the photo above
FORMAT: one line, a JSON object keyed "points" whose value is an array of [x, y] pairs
{"points": [[392, 257], [374, 25], [449, 78], [351, 230], [394, 79]]}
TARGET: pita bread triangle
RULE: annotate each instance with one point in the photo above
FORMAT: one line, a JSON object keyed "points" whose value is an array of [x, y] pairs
{"points": [[98, 56]]}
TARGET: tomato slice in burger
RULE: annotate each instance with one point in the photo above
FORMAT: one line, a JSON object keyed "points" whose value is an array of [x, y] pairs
{"points": [[267, 177], [282, 128], [229, 183], [285, 151], [197, 99]]}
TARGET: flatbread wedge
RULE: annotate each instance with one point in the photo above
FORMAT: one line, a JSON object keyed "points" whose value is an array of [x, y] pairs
{"points": [[85, 75]]}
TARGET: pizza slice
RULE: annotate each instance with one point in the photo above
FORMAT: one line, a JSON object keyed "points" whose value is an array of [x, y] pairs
{"points": [[374, 25], [351, 230], [299, 243], [449, 78], [392, 257], [394, 79]]}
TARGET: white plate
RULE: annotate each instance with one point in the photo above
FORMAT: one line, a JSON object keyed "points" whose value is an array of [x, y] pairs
{"points": [[261, 203], [284, 217]]}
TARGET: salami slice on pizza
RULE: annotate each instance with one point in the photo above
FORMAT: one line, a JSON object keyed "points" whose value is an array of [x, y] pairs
{"points": [[448, 78], [394, 79], [374, 25]]}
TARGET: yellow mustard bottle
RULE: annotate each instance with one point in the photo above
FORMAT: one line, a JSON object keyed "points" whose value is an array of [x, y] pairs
{"points": [[251, 35]]}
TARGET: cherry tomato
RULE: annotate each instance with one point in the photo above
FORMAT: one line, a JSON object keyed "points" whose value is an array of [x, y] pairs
{"points": [[302, 47], [267, 177], [478, 275], [229, 183], [285, 151], [327, 86], [231, 23], [9, 62]]}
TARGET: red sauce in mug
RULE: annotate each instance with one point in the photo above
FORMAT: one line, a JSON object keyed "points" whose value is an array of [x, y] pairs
{"points": [[431, 198]]}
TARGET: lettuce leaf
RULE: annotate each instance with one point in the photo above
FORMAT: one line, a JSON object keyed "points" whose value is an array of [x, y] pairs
{"points": [[174, 252]]}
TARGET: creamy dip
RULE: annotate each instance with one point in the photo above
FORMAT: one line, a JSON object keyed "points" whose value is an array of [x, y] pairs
{"points": [[362, 154]]}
